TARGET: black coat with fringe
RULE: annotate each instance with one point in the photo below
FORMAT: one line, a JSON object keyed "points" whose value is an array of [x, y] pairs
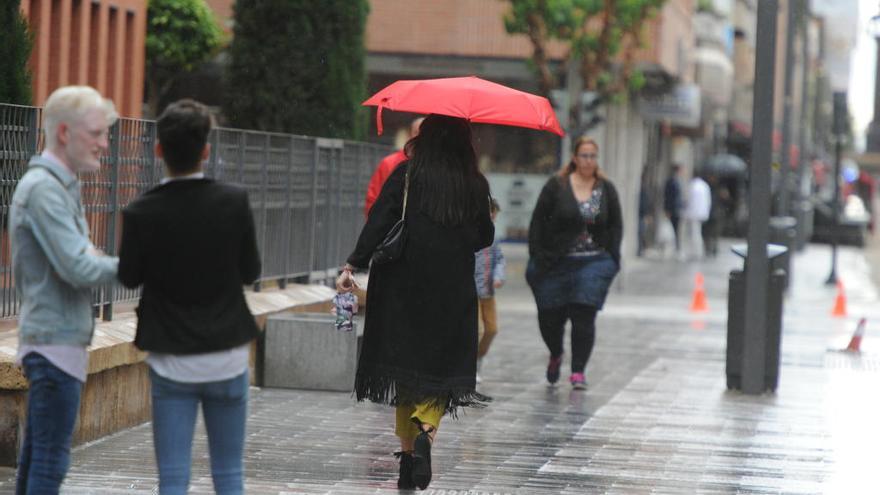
{"points": [[420, 331]]}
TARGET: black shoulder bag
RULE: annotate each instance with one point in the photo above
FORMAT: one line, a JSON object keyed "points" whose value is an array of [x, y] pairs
{"points": [[391, 247]]}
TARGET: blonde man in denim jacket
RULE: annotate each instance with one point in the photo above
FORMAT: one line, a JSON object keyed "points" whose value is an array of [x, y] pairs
{"points": [[55, 266]]}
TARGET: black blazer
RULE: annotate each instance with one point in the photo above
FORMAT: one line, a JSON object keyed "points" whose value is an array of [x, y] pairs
{"points": [[556, 222], [191, 244]]}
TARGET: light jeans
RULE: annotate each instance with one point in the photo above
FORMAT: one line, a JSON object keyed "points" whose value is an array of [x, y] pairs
{"points": [[224, 406], [693, 247]]}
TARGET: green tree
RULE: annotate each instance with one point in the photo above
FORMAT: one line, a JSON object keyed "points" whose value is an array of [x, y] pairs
{"points": [[601, 37], [15, 50], [298, 66], [181, 34]]}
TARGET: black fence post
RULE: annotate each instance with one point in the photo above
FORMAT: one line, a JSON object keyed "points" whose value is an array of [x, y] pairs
{"points": [[112, 213], [313, 213], [286, 219]]}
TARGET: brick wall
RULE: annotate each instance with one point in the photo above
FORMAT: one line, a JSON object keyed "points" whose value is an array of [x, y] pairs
{"points": [[223, 14], [476, 28], [94, 42], [445, 27]]}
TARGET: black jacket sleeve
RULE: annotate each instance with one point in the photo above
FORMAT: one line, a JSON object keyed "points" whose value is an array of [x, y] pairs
{"points": [[485, 226], [130, 272], [383, 215], [250, 265], [615, 222], [541, 217]]}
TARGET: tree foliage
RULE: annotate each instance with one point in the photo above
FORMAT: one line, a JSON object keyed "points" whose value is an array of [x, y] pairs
{"points": [[601, 37], [181, 34], [15, 50], [296, 66]]}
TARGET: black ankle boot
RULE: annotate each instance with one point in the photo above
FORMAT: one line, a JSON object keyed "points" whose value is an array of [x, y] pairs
{"points": [[405, 481], [421, 474]]}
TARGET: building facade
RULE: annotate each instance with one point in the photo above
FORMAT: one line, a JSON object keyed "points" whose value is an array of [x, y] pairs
{"points": [[95, 42], [447, 38]]}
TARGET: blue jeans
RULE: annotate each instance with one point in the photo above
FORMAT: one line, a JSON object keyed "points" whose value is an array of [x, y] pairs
{"points": [[53, 402], [572, 280], [224, 406]]}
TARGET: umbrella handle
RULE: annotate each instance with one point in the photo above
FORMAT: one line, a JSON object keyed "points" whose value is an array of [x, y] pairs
{"points": [[379, 120]]}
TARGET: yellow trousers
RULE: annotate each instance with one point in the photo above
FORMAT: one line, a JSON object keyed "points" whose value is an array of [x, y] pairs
{"points": [[487, 321], [408, 418]]}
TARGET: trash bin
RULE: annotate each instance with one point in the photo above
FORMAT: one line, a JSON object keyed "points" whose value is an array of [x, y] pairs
{"points": [[783, 231], [736, 320]]}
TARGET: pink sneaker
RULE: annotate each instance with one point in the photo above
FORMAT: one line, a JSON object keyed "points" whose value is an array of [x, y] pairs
{"points": [[578, 382]]}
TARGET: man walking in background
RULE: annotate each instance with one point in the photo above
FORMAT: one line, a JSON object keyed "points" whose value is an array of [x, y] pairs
{"points": [[699, 204], [55, 265], [386, 166], [672, 202]]}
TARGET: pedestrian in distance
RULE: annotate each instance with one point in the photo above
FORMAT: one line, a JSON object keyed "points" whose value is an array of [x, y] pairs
{"points": [[55, 266], [714, 226], [696, 213], [646, 213], [489, 276], [673, 202], [419, 349], [386, 167], [574, 255], [190, 244]]}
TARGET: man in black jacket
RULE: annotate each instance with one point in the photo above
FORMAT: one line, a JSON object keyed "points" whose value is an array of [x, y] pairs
{"points": [[673, 201], [190, 243]]}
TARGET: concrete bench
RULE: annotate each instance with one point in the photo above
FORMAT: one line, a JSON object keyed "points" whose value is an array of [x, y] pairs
{"points": [[304, 350], [116, 394]]}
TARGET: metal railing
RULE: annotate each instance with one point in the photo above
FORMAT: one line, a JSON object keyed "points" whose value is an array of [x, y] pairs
{"points": [[306, 194]]}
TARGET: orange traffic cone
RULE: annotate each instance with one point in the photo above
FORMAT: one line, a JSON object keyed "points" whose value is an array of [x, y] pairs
{"points": [[698, 302], [855, 342], [839, 301]]}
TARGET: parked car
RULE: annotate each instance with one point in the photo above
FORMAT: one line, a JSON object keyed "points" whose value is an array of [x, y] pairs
{"points": [[854, 221]]}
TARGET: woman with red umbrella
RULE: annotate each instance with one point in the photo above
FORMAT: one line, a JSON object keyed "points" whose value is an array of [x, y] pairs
{"points": [[574, 254], [420, 335]]}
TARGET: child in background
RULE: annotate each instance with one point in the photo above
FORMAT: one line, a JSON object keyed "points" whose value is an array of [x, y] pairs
{"points": [[488, 275]]}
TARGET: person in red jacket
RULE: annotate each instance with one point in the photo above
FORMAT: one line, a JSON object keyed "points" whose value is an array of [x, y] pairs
{"points": [[385, 167]]}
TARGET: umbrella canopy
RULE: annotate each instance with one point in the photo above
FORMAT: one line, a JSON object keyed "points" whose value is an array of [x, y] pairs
{"points": [[470, 98], [725, 165]]}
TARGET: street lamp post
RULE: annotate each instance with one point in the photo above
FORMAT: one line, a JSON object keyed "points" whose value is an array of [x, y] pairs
{"points": [[839, 130], [873, 137], [782, 208], [757, 267]]}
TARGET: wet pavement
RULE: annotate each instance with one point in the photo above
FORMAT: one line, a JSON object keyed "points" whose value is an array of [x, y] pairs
{"points": [[656, 417]]}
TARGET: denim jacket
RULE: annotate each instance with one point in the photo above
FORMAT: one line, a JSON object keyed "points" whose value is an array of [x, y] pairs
{"points": [[53, 269]]}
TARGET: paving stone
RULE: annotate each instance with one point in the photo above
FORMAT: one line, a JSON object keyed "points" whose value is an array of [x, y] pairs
{"points": [[656, 417]]}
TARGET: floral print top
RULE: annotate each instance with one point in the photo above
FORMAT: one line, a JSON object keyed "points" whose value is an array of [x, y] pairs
{"points": [[584, 244]]}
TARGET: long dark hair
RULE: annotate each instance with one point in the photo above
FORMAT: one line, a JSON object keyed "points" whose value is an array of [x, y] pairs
{"points": [[444, 178]]}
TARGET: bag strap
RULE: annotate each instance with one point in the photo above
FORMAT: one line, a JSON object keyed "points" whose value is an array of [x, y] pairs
{"points": [[405, 193]]}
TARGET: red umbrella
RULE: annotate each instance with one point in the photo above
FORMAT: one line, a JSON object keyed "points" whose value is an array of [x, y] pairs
{"points": [[471, 98]]}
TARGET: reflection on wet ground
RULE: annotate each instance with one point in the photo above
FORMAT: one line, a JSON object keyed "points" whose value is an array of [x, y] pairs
{"points": [[656, 417]]}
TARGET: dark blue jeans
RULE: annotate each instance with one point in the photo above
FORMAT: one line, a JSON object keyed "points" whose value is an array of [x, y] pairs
{"points": [[224, 407], [53, 401]]}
